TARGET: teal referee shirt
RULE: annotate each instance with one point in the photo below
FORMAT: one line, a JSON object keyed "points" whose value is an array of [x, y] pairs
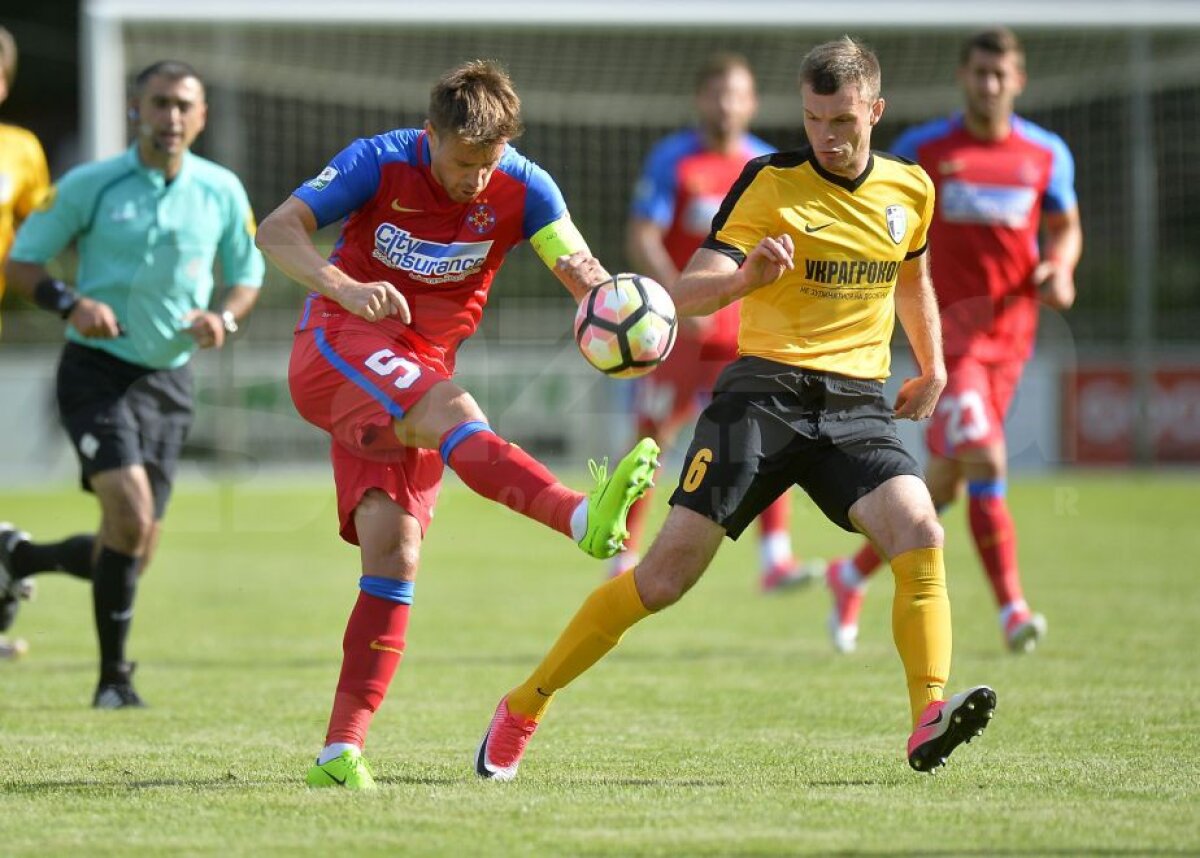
{"points": [[147, 247]]}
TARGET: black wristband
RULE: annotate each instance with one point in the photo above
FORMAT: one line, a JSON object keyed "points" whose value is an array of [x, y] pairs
{"points": [[55, 296]]}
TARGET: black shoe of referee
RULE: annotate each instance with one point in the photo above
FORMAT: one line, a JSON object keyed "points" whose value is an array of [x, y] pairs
{"points": [[12, 589]]}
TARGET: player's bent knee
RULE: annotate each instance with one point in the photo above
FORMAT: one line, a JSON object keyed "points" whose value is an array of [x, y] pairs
{"points": [[389, 537], [128, 531], [658, 591], [661, 583], [445, 406], [398, 560], [925, 532]]}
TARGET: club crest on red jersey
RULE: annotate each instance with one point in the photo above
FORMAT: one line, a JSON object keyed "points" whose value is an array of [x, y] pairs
{"points": [[481, 219], [897, 222]]}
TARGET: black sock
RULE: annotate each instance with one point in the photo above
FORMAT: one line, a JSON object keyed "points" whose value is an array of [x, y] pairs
{"points": [[73, 555], [113, 588]]}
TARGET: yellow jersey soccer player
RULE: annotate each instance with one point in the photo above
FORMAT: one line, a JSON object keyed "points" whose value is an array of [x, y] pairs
{"points": [[24, 175], [24, 185], [826, 246]]}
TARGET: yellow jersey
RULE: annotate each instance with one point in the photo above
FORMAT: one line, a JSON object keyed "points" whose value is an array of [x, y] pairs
{"points": [[24, 184], [835, 311]]}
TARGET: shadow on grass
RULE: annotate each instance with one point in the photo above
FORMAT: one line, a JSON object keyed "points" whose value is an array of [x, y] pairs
{"points": [[418, 780], [530, 658], [228, 782]]}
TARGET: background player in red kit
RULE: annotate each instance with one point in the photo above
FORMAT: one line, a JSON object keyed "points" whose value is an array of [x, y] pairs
{"points": [[429, 216], [684, 179], [999, 178]]}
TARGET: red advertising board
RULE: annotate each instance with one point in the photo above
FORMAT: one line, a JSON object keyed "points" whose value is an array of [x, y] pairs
{"points": [[1099, 410]]}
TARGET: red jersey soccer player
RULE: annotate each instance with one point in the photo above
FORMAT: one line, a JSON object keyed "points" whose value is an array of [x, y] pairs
{"points": [[684, 179], [995, 174], [429, 216]]}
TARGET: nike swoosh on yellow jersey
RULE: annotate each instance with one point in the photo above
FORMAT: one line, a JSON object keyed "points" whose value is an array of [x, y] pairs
{"points": [[809, 228], [376, 645], [397, 207]]}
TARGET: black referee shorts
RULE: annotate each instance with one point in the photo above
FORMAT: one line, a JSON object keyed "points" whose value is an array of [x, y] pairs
{"points": [[120, 414], [771, 426]]}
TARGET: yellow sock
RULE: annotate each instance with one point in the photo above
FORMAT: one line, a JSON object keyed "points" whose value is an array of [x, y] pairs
{"points": [[594, 630], [921, 624]]}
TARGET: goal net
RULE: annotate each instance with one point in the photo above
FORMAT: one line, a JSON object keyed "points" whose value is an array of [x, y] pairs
{"points": [[291, 83], [287, 94]]}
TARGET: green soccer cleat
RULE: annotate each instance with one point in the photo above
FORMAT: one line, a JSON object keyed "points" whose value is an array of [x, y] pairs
{"points": [[610, 500], [348, 770]]}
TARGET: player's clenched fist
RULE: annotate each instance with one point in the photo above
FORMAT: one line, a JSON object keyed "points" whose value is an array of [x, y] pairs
{"points": [[767, 261], [94, 319], [374, 301], [580, 272], [918, 397]]}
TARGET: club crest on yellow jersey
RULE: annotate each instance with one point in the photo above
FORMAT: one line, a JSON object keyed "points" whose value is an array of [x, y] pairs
{"points": [[897, 222]]}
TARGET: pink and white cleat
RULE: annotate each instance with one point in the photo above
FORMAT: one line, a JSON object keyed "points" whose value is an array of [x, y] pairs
{"points": [[782, 577], [503, 744], [847, 604], [1024, 630], [946, 724]]}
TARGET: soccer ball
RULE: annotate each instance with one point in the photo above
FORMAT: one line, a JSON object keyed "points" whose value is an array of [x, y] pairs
{"points": [[626, 326]]}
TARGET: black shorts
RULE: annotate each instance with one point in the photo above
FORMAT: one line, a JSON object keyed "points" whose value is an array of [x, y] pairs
{"points": [[771, 426], [120, 414]]}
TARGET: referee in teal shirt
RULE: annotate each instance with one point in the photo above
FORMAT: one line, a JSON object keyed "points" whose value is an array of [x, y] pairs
{"points": [[148, 226]]}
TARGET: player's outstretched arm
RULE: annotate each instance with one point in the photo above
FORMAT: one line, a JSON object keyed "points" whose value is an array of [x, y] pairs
{"points": [[579, 272], [916, 305], [712, 280], [285, 237], [561, 247]]}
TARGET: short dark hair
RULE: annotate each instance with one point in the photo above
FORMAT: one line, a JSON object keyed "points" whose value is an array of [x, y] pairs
{"points": [[719, 65], [993, 40], [476, 102], [170, 69], [830, 66], [8, 55]]}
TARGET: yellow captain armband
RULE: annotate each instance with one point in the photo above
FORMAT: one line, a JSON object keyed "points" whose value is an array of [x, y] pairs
{"points": [[556, 239]]}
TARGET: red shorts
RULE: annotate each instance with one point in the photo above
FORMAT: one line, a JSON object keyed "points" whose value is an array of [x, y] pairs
{"points": [[682, 385], [353, 381], [970, 413]]}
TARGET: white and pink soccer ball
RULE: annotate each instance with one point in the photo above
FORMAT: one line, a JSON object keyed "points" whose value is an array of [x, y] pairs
{"points": [[626, 326]]}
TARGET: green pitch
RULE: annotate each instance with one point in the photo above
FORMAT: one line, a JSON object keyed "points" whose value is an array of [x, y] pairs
{"points": [[724, 727]]}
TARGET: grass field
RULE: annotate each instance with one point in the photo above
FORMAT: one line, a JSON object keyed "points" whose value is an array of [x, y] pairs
{"points": [[724, 727]]}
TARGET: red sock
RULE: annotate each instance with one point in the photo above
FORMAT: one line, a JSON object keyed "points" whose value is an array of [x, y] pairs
{"points": [[371, 652], [996, 542], [774, 519], [503, 472], [867, 560]]}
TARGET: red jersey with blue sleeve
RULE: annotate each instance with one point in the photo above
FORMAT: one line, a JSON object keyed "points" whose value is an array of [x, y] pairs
{"points": [[681, 188], [401, 227], [984, 235]]}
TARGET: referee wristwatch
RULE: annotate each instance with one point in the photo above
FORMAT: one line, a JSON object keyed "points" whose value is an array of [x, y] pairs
{"points": [[229, 322]]}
